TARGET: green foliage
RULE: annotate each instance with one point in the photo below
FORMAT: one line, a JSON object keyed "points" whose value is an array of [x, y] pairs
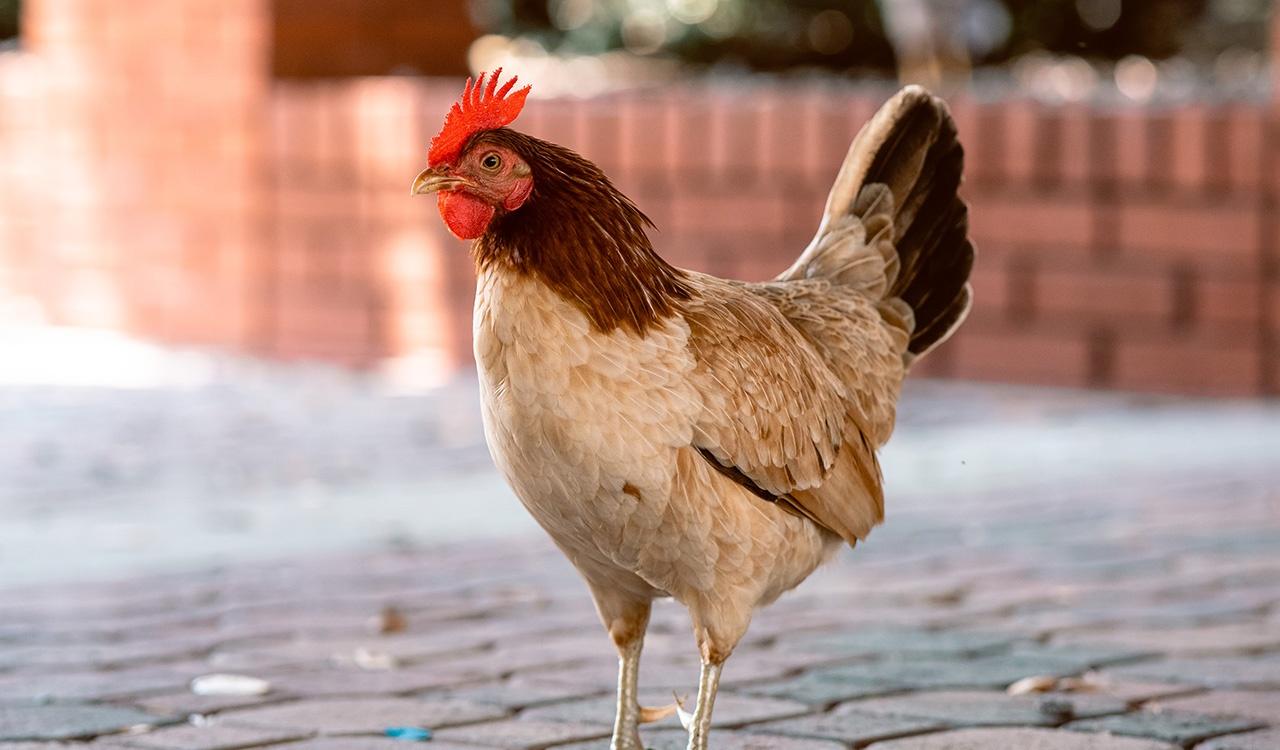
{"points": [[1103, 29], [9, 11], [760, 34], [854, 34]]}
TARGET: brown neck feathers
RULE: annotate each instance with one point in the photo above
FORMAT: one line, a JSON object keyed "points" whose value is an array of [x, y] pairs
{"points": [[584, 239]]}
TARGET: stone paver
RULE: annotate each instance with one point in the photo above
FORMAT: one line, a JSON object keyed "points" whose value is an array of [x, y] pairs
{"points": [[731, 710], [849, 727], [819, 690], [1179, 727], [356, 682], [49, 745], [983, 672], [983, 708], [67, 722], [1249, 672], [362, 715], [676, 739], [88, 686], [1266, 739], [1124, 577], [1022, 739], [185, 703], [904, 642], [212, 737], [517, 693], [1135, 693], [524, 734], [1190, 641], [364, 743], [1263, 705]]}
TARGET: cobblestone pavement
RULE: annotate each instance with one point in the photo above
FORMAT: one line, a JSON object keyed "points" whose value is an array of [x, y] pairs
{"points": [[1143, 597]]}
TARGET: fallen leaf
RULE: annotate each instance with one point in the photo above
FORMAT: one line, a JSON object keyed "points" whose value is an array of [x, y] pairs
{"points": [[1035, 684]]}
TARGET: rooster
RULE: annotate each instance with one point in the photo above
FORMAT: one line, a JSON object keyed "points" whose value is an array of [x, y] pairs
{"points": [[678, 434]]}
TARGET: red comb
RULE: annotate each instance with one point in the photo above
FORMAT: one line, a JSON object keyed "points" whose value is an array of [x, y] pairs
{"points": [[480, 108]]}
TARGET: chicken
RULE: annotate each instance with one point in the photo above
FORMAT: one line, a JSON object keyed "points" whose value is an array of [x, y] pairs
{"points": [[681, 435]]}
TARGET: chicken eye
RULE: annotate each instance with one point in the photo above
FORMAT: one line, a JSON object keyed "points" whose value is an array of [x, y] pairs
{"points": [[491, 161]]}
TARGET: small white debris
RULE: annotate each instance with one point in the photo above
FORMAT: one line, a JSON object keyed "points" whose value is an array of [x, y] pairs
{"points": [[229, 685], [1036, 684], [373, 660]]}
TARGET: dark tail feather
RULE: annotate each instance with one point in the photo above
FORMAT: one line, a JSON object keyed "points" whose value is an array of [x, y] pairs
{"points": [[931, 222], [902, 172]]}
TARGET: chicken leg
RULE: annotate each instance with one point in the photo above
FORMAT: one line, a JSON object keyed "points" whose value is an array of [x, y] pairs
{"points": [[626, 617], [700, 725], [718, 625], [626, 727]]}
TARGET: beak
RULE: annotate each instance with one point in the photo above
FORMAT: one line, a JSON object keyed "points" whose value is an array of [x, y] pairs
{"points": [[431, 180]]}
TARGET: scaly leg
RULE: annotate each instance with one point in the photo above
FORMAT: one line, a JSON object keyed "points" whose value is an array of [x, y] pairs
{"points": [[626, 617], [700, 725], [718, 625], [626, 727]]}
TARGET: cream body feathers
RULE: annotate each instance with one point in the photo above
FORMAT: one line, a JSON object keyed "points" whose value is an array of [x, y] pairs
{"points": [[594, 432], [719, 443]]}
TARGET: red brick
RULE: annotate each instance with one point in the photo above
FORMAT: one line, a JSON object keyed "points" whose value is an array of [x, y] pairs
{"points": [[558, 121], [1022, 356], [1021, 128], [984, 146], [784, 138], [601, 134], [1275, 74], [964, 110], [1236, 302], [1160, 150], [690, 120], [834, 128], [1245, 138], [1199, 366], [726, 212], [415, 329], [646, 142], [1103, 293], [1206, 235], [1132, 146], [1075, 145], [1057, 221], [743, 135], [1273, 313], [991, 291], [1190, 147]]}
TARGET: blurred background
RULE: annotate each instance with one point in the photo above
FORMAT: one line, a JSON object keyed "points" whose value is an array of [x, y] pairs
{"points": [[228, 331]]}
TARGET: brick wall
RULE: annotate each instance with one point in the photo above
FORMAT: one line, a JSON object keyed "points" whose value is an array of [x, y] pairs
{"points": [[161, 183], [129, 151]]}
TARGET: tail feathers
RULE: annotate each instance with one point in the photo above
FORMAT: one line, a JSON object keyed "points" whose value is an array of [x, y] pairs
{"points": [[894, 225], [857, 249]]}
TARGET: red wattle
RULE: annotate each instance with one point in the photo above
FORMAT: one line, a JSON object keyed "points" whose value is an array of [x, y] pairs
{"points": [[466, 216]]}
